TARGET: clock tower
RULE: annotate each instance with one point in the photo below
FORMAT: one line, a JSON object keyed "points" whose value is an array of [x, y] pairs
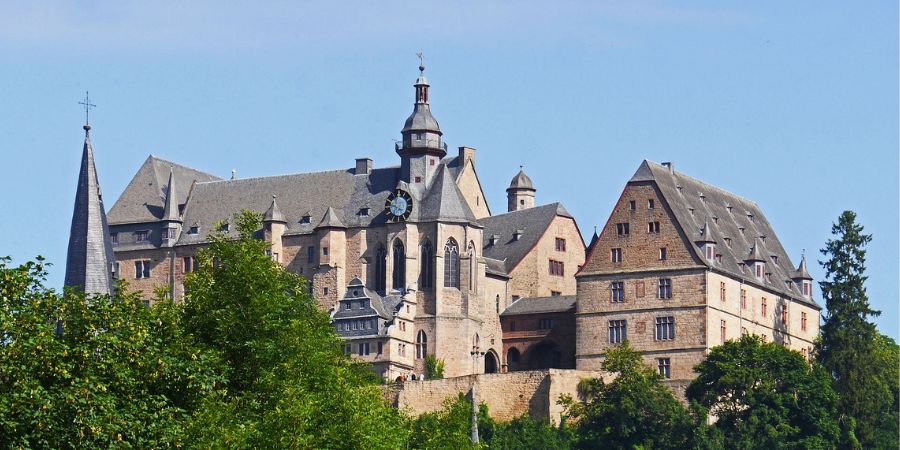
{"points": [[422, 148]]}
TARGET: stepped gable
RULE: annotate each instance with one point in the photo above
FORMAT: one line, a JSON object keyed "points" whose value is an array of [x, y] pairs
{"points": [[144, 198], [541, 305], [726, 214], [532, 221]]}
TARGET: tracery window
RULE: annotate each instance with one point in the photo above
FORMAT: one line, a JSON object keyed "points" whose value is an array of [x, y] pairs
{"points": [[399, 277], [426, 273], [380, 269], [451, 264], [421, 344]]}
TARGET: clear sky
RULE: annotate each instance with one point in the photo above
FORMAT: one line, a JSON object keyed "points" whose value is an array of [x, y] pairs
{"points": [[791, 104]]}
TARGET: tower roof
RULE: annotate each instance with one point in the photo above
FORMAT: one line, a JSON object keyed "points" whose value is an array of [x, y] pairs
{"points": [[330, 220], [801, 273], [421, 118], [171, 213], [521, 181], [707, 234], [273, 214], [755, 254], [90, 256]]}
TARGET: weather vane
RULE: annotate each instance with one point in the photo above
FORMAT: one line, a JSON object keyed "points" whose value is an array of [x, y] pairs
{"points": [[421, 57], [87, 107]]}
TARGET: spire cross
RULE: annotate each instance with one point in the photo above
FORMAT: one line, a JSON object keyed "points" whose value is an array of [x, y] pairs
{"points": [[87, 107]]}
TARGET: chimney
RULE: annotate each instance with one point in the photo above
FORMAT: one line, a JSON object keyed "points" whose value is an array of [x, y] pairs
{"points": [[363, 166], [466, 154], [670, 166]]}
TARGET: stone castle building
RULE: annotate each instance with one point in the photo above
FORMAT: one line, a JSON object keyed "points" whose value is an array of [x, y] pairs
{"points": [[682, 266], [408, 258]]}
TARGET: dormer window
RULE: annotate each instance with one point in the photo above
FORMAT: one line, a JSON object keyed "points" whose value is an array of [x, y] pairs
{"points": [[305, 219], [758, 268], [807, 288], [728, 241], [710, 250], [518, 234], [224, 227], [495, 239], [774, 259], [741, 229], [364, 212], [702, 197], [715, 220], [750, 216], [141, 236]]}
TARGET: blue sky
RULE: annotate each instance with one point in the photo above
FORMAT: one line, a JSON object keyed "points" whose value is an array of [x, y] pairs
{"points": [[791, 104]]}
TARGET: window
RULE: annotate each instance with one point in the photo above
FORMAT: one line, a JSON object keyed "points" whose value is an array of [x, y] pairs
{"points": [[363, 348], [402, 325], [622, 229], [364, 212], [171, 233], [115, 270], [710, 250], [224, 227], [663, 254], [557, 268], [324, 251], [545, 324], [380, 269], [380, 347], [275, 257], [807, 288], [665, 328], [418, 179], [426, 273], [451, 264], [512, 325], [722, 330], [803, 321], [664, 366], [497, 304], [616, 255], [632, 205], [187, 264], [650, 204], [743, 299], [618, 331], [560, 244], [324, 291], [784, 314], [305, 219], [665, 288], [114, 238], [348, 349], [759, 270], [618, 291], [310, 254], [722, 291], [401, 349], [555, 293], [141, 236], [399, 277], [141, 269], [194, 230], [763, 307], [653, 227], [515, 298], [347, 305]]}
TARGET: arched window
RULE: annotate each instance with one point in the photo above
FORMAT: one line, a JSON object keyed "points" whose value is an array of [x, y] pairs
{"points": [[421, 345], [426, 274], [451, 264], [473, 265], [476, 343], [399, 277], [380, 269]]}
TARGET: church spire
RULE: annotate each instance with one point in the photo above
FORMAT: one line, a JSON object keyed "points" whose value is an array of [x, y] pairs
{"points": [[89, 261]]}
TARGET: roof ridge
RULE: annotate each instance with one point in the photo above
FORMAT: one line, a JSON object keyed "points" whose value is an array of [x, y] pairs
{"points": [[284, 175], [156, 158], [699, 181]]}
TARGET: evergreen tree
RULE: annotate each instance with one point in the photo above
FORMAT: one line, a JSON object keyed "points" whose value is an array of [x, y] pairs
{"points": [[847, 348]]}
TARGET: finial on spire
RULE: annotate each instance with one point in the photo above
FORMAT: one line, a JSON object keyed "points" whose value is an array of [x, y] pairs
{"points": [[87, 110], [421, 57]]}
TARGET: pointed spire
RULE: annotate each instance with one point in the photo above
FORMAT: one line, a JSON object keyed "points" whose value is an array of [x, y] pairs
{"points": [[802, 273], [89, 260], [707, 234], [273, 214], [331, 220], [594, 239], [755, 254], [171, 212]]}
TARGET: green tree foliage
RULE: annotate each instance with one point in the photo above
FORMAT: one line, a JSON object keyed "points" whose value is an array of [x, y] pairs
{"points": [[434, 368], [766, 396], [96, 371], [887, 360], [527, 433], [450, 427], [848, 345], [288, 383], [635, 410]]}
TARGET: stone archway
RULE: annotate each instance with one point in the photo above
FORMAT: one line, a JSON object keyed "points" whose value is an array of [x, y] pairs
{"points": [[491, 363], [544, 355]]}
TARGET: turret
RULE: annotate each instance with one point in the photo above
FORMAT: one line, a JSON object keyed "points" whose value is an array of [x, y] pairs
{"points": [[756, 261], [802, 278], [171, 221], [274, 226], [520, 193], [707, 242]]}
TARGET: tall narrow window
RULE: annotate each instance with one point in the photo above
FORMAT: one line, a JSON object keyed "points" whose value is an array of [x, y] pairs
{"points": [[473, 266], [784, 314], [803, 321], [665, 328], [622, 229], [618, 331], [310, 254], [615, 255], [421, 344], [743, 299], [722, 291], [399, 277], [618, 291], [722, 330], [497, 304], [451, 263], [663, 254], [665, 288], [380, 269], [665, 367], [426, 274], [763, 307]]}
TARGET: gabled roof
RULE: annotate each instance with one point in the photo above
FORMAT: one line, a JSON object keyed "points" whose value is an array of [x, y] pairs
{"points": [[539, 305], [90, 255], [737, 223], [444, 201], [532, 221], [330, 220], [144, 198]]}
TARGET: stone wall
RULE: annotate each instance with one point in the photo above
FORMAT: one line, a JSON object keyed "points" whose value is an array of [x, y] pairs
{"points": [[507, 395]]}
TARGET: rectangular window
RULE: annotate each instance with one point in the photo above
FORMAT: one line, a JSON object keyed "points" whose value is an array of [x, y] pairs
{"points": [[141, 236], [743, 299], [545, 324], [618, 331], [171, 233], [622, 229], [380, 347], [512, 325], [324, 251], [310, 254], [653, 227], [803, 321], [555, 293], [632, 205], [665, 328], [114, 238], [324, 291], [616, 255], [275, 257], [363, 349], [188, 264], [557, 268], [665, 288], [618, 291], [194, 230], [650, 204], [784, 314], [663, 254], [763, 307], [401, 349], [115, 270], [560, 244], [347, 305], [515, 298], [141, 269], [722, 291], [722, 330], [664, 366]]}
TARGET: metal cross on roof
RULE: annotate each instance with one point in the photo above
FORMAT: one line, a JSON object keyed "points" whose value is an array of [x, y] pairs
{"points": [[87, 107]]}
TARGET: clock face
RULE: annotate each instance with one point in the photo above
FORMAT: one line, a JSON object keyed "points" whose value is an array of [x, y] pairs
{"points": [[398, 205]]}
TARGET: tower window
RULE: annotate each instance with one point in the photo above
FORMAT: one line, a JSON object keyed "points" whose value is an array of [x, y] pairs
{"points": [[522, 202], [451, 264], [803, 321]]}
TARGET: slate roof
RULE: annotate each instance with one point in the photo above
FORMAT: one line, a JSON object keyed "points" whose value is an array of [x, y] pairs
{"points": [[90, 255], [273, 214], [144, 198], [495, 267], [382, 308], [521, 181], [727, 214], [532, 221], [444, 201], [538, 305], [171, 211]]}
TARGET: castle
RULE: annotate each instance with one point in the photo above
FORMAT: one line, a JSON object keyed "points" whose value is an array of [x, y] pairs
{"points": [[410, 260]]}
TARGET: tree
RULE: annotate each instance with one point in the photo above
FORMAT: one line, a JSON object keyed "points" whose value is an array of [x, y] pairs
{"points": [[635, 410], [91, 371], [288, 383], [847, 347], [434, 368], [766, 396], [525, 432], [449, 428]]}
